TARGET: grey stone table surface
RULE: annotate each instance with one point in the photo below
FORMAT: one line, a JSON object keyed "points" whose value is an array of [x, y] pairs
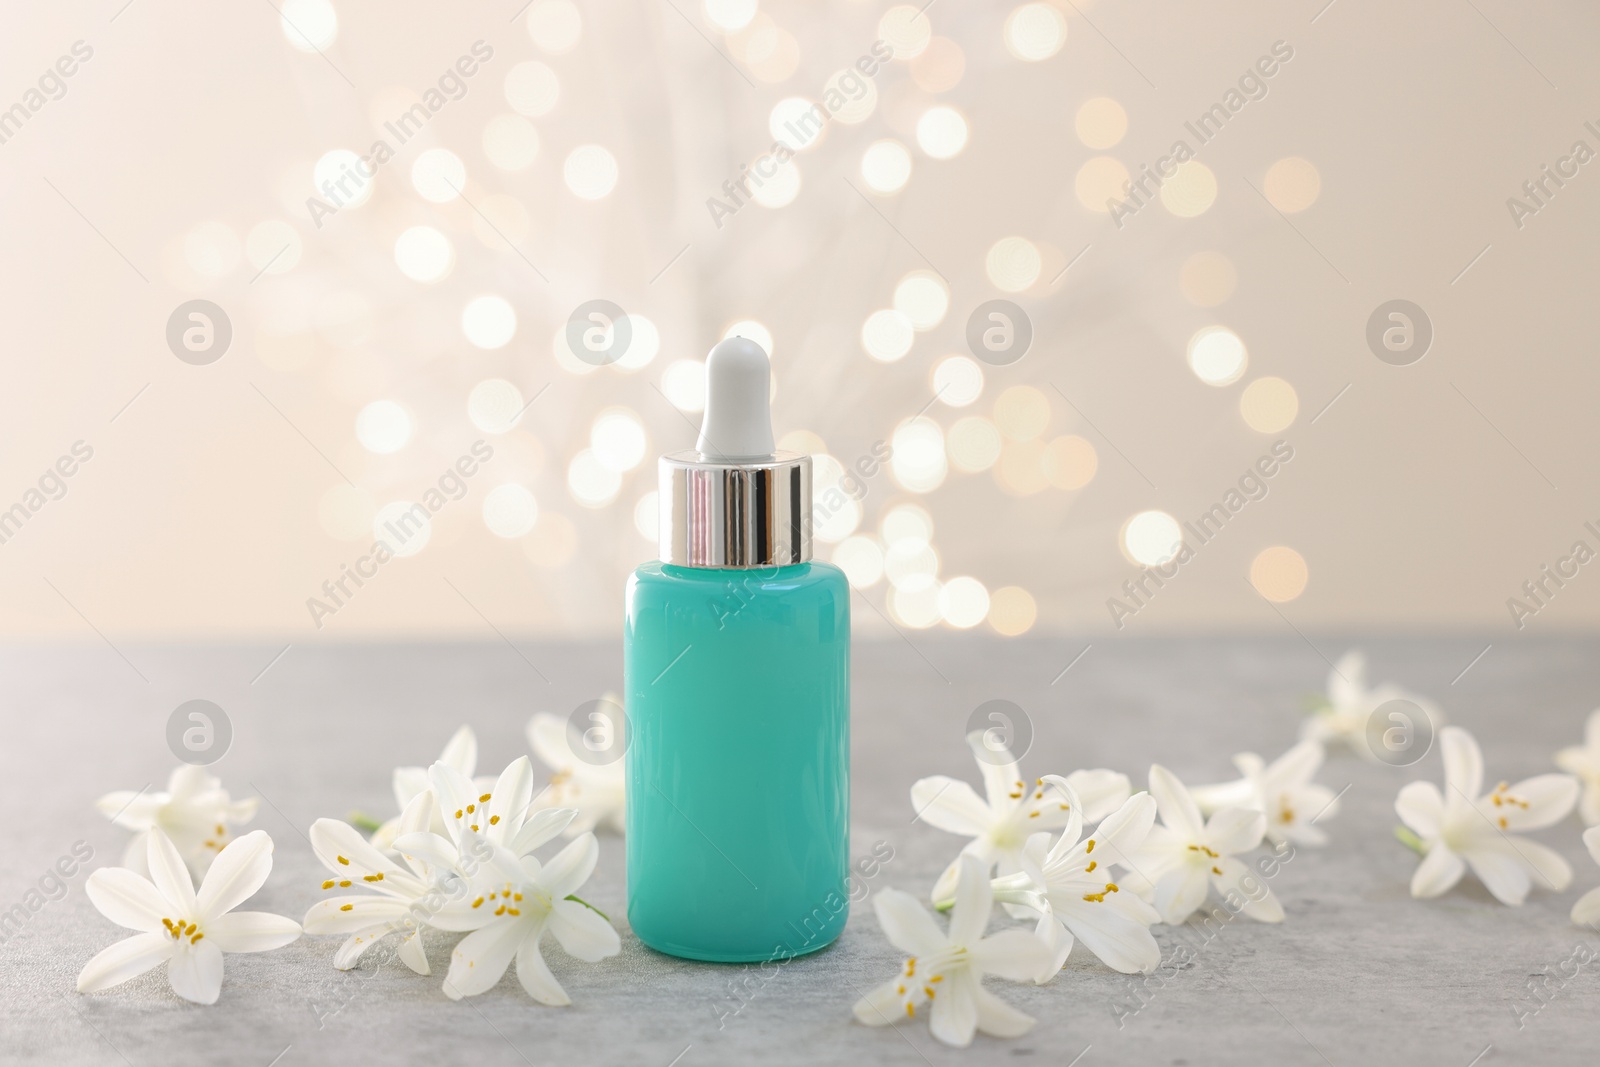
{"points": [[1358, 974]]}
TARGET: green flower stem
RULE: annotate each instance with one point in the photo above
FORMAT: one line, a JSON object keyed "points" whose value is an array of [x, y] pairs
{"points": [[363, 821], [1410, 840], [591, 907]]}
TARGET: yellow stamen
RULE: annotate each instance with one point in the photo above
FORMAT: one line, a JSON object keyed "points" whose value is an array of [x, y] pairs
{"points": [[342, 860], [346, 907], [458, 813], [478, 903], [1092, 865], [513, 911], [1089, 847], [196, 938], [328, 884], [471, 808], [372, 877], [485, 798], [1216, 870], [345, 884], [494, 820], [911, 1011]]}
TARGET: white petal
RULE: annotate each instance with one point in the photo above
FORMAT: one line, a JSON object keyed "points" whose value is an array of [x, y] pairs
{"points": [[1125, 830], [1261, 906], [547, 735], [906, 923], [535, 976], [453, 791], [1055, 937], [1179, 892], [350, 953], [1296, 766], [571, 867], [1591, 841], [417, 813], [483, 956], [951, 805], [430, 848], [407, 782], [1546, 866], [511, 795], [251, 931], [1438, 872], [130, 810], [1177, 807], [1234, 830], [541, 827], [582, 932], [1035, 853], [124, 960], [1589, 806], [1116, 931], [1463, 761], [1420, 807], [1586, 912], [346, 915], [882, 1005], [196, 973], [997, 1018], [1240, 793], [169, 874], [413, 954], [954, 1015], [1550, 798], [997, 766], [461, 751], [127, 899], [343, 850], [1100, 791], [239, 870], [1502, 871], [1348, 679], [974, 899], [1014, 954]]}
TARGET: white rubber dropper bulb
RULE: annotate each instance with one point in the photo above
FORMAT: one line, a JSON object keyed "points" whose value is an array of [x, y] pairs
{"points": [[738, 419]]}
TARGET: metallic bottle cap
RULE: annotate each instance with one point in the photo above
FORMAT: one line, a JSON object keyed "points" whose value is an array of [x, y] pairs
{"points": [[735, 513]]}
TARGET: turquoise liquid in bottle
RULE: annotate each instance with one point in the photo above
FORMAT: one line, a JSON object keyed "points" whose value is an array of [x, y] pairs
{"points": [[736, 664], [738, 710]]}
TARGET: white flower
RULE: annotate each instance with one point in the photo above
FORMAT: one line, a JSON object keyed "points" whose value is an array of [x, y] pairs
{"points": [[1281, 790], [1185, 855], [1586, 912], [188, 932], [519, 900], [1000, 825], [1343, 719], [500, 893], [1584, 761], [460, 752], [948, 967], [402, 893], [594, 790], [195, 813], [1460, 828], [1070, 890]]}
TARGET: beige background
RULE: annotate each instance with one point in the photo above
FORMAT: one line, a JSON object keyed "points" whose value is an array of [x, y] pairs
{"points": [[1423, 498]]}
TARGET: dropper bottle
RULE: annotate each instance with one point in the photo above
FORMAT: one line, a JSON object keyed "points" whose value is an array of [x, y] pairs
{"points": [[736, 662]]}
